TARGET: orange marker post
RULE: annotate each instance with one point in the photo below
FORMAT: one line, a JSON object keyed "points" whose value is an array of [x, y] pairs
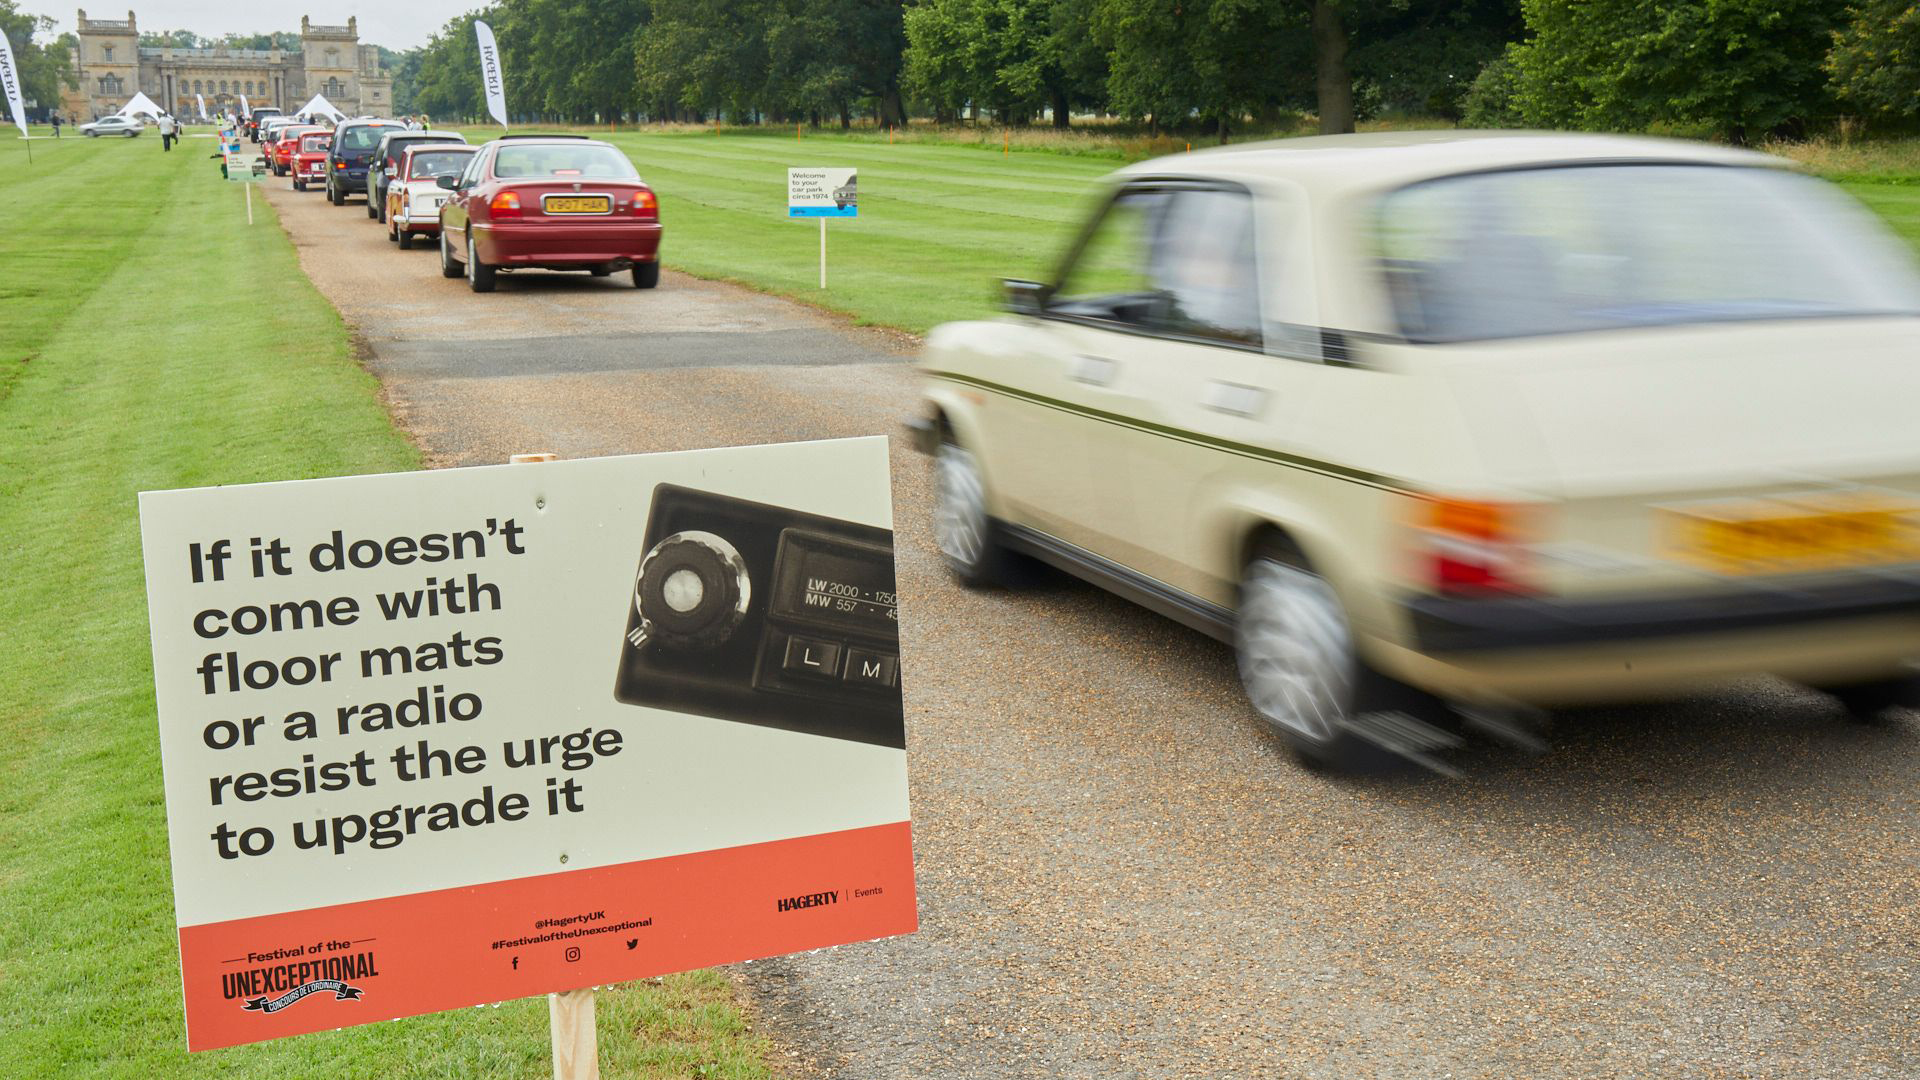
{"points": [[1006, 143]]}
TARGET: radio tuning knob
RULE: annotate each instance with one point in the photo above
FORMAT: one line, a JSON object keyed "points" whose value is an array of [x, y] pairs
{"points": [[693, 590]]}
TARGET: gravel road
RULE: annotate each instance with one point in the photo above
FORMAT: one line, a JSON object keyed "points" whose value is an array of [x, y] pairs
{"points": [[1121, 875]]}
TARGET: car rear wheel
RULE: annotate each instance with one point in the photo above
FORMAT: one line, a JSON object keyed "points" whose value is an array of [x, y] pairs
{"points": [[962, 529], [299, 184], [646, 275], [373, 211], [448, 267], [333, 194], [479, 277], [1297, 662], [406, 241]]}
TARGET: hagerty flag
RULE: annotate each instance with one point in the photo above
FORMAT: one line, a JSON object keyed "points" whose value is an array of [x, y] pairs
{"points": [[10, 78], [490, 74]]}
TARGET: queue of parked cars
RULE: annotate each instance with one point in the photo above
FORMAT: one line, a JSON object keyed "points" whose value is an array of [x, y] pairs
{"points": [[516, 203]]}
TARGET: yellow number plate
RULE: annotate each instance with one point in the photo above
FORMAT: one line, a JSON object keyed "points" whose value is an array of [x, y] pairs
{"points": [[1795, 534], [578, 204]]}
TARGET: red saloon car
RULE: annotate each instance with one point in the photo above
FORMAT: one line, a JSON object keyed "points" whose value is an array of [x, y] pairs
{"points": [[551, 202], [310, 161], [285, 144], [414, 195]]}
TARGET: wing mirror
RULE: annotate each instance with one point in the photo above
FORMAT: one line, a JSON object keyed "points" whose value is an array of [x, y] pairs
{"points": [[1025, 297], [448, 181]]}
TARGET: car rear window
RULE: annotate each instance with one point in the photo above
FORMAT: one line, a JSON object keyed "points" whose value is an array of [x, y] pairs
{"points": [[562, 160], [362, 138], [315, 142], [438, 162], [1600, 247]]}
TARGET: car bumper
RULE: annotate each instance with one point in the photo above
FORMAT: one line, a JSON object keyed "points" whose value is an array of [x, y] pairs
{"points": [[417, 221], [552, 244], [350, 179], [1567, 651]]}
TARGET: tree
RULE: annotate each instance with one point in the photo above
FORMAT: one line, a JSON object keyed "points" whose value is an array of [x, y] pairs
{"points": [[171, 39], [1740, 67], [1875, 62], [1014, 57], [449, 80], [1422, 56], [44, 69]]}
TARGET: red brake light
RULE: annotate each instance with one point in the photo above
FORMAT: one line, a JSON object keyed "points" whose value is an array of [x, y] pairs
{"points": [[1473, 547], [645, 205], [505, 204]]}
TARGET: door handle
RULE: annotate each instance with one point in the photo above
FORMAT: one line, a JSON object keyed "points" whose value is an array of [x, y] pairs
{"points": [[1235, 399], [1094, 370]]}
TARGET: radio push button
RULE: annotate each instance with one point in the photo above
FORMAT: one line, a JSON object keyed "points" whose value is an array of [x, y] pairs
{"points": [[811, 656], [872, 669]]}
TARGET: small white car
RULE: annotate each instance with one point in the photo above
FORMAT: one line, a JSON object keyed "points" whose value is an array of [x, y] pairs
{"points": [[414, 195], [129, 126], [1503, 420]]}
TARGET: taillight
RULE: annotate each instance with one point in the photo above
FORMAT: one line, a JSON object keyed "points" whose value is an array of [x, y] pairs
{"points": [[1466, 546], [645, 205], [505, 204]]}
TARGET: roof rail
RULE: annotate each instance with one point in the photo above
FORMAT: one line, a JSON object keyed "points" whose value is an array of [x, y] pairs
{"points": [[545, 136]]}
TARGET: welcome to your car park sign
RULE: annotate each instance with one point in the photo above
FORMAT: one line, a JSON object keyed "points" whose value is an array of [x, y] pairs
{"points": [[822, 193], [420, 753]]}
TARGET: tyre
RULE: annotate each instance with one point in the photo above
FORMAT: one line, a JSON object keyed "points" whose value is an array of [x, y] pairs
{"points": [[646, 275], [406, 241], [383, 209], [1867, 702], [1298, 665], [448, 268], [333, 194], [479, 277], [299, 184], [962, 529], [373, 209]]}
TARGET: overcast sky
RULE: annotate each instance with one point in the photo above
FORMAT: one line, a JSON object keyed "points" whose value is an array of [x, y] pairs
{"points": [[398, 26]]}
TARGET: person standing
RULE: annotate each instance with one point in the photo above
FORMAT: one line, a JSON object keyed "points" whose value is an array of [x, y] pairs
{"points": [[56, 125], [166, 132]]}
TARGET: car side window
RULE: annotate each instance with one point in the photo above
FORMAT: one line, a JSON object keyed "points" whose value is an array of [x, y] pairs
{"points": [[1203, 267], [472, 174], [1109, 278]]}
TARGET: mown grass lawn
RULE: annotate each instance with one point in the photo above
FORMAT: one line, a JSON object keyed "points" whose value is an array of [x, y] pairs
{"points": [[150, 339], [939, 225]]}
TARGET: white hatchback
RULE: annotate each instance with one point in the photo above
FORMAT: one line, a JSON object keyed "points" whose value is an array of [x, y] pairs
{"points": [[1490, 418]]}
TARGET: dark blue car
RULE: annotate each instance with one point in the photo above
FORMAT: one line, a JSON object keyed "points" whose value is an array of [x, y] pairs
{"points": [[354, 142]]}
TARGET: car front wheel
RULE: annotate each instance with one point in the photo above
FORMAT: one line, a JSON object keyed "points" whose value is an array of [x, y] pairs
{"points": [[479, 276], [1297, 661], [962, 530], [1868, 702]]}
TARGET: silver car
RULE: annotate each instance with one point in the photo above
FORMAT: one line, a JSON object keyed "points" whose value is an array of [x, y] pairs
{"points": [[113, 125]]}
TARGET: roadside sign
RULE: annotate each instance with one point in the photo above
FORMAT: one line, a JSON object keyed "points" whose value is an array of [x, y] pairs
{"points": [[438, 739], [822, 193], [246, 168]]}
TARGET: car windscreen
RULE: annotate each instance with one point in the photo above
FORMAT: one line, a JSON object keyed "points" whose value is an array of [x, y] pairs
{"points": [[1600, 247], [540, 160], [362, 138], [425, 163]]}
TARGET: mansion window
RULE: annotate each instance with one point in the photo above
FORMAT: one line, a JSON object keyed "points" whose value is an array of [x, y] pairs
{"points": [[249, 86], [335, 88], [106, 53], [110, 85]]}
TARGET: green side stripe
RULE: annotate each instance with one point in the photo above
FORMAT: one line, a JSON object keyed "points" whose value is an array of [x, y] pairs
{"points": [[1246, 450]]}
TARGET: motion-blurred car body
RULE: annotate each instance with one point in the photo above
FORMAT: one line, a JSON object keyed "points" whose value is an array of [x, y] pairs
{"points": [[551, 203], [1515, 420], [128, 126]]}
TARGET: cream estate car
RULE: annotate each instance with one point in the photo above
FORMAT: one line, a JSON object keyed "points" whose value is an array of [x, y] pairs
{"points": [[1494, 419]]}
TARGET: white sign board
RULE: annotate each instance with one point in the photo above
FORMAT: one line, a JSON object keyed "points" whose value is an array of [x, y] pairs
{"points": [[822, 193], [442, 738]]}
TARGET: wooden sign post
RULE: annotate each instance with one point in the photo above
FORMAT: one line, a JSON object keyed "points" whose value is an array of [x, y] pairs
{"points": [[576, 1035]]}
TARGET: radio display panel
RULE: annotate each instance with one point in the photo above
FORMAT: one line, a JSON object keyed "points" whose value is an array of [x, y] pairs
{"points": [[834, 582]]}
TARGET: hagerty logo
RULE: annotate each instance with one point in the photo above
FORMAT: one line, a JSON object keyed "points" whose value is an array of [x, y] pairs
{"points": [[273, 987]]}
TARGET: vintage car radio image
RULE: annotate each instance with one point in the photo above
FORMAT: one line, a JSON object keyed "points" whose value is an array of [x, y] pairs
{"points": [[765, 615]]}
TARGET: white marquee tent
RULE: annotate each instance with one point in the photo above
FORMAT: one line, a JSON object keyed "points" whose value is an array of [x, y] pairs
{"points": [[141, 105], [320, 106]]}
